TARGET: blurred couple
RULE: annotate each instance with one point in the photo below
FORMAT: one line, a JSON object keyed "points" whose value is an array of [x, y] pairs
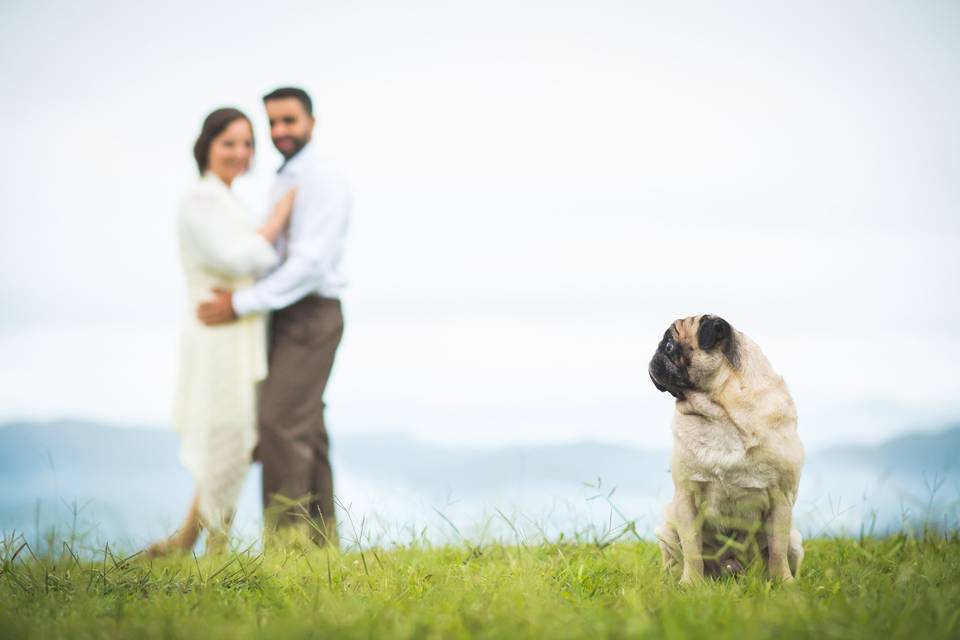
{"points": [[264, 323]]}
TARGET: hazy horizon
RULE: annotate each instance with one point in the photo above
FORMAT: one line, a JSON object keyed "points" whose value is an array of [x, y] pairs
{"points": [[64, 476]]}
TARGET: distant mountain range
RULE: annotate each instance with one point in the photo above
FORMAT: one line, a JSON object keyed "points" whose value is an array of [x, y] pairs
{"points": [[28, 448], [930, 452], [132, 475]]}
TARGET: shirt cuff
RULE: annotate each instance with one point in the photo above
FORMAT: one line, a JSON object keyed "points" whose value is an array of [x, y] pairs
{"points": [[246, 301]]}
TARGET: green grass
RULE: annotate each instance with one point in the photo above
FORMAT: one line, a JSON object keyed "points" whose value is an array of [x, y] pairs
{"points": [[896, 587]]}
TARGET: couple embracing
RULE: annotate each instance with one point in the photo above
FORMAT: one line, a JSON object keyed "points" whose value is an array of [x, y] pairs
{"points": [[258, 344]]}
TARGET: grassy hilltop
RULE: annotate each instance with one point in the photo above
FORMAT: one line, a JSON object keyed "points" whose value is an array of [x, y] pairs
{"points": [[896, 587]]}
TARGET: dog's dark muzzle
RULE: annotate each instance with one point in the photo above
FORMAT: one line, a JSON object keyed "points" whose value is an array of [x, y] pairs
{"points": [[668, 377]]}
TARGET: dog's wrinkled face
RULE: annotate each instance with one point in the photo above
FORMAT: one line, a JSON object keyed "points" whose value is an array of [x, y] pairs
{"points": [[693, 351]]}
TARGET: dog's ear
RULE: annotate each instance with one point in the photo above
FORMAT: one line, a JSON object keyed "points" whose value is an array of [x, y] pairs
{"points": [[712, 331], [716, 332]]}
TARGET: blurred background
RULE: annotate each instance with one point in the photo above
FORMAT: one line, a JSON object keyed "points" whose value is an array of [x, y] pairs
{"points": [[539, 191]]}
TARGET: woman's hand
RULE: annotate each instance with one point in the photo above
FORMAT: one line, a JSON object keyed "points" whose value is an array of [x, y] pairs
{"points": [[284, 206], [279, 217]]}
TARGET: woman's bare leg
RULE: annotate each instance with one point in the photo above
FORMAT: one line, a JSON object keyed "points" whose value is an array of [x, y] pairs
{"points": [[218, 539], [184, 538]]}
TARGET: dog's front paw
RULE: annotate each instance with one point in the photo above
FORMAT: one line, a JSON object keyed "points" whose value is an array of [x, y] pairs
{"points": [[781, 576], [691, 578]]}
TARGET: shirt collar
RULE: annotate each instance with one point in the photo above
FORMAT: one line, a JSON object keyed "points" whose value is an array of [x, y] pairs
{"points": [[299, 160], [213, 178]]}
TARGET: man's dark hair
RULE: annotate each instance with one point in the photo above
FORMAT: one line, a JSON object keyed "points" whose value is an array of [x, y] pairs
{"points": [[213, 126], [292, 92]]}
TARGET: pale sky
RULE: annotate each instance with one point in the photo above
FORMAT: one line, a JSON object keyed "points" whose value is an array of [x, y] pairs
{"points": [[539, 191]]}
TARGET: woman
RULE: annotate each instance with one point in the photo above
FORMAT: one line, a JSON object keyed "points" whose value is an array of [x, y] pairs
{"points": [[215, 407]]}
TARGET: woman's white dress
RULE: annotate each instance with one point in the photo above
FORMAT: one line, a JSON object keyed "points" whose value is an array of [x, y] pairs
{"points": [[215, 410]]}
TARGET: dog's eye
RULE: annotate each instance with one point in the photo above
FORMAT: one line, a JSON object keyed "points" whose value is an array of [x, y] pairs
{"points": [[668, 348]]}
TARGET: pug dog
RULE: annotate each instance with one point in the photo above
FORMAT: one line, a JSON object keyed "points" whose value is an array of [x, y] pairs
{"points": [[736, 454]]}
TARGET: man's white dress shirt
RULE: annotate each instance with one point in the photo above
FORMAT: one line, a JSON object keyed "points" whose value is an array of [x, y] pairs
{"points": [[312, 248]]}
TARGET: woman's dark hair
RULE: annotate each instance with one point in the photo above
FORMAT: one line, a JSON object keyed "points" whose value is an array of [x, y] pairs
{"points": [[214, 125]]}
